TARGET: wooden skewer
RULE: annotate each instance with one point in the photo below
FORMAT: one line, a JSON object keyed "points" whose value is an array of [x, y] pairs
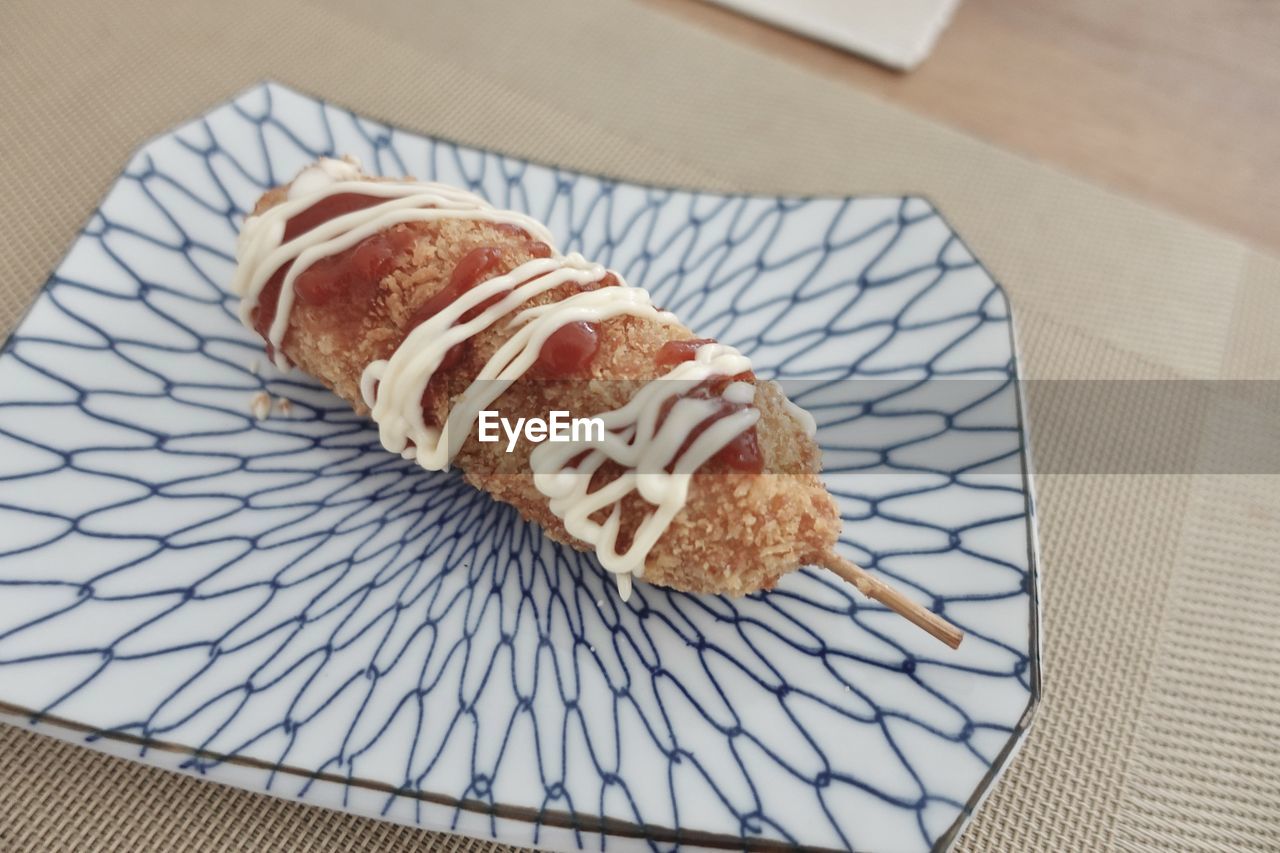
{"points": [[873, 587]]}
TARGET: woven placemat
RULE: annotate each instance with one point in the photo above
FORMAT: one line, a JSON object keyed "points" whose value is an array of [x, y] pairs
{"points": [[1160, 726]]}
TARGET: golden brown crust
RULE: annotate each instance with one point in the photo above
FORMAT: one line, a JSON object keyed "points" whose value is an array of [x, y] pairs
{"points": [[737, 533]]}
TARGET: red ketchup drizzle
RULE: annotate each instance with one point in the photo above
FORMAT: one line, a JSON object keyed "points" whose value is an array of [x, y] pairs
{"points": [[476, 266], [354, 274], [675, 352], [743, 452], [569, 349], [325, 279], [329, 207], [511, 229]]}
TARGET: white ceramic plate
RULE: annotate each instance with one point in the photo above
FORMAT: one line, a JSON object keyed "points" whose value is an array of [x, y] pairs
{"points": [[282, 605]]}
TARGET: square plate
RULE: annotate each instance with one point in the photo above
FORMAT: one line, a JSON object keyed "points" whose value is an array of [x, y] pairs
{"points": [[282, 605]]}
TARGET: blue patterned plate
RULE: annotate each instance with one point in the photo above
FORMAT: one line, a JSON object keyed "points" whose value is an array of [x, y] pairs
{"points": [[281, 605]]}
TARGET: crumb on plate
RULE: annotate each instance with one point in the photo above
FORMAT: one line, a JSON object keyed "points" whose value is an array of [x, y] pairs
{"points": [[260, 405]]}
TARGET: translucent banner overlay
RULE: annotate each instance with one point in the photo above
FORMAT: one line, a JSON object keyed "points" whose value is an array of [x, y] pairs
{"points": [[973, 426]]}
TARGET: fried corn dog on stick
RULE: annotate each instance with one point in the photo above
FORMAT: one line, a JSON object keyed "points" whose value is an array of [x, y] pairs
{"points": [[424, 306]]}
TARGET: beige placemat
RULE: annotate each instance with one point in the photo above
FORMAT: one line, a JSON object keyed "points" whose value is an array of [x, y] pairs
{"points": [[1160, 727]]}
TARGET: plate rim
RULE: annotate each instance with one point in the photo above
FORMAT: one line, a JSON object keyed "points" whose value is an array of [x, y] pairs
{"points": [[606, 827]]}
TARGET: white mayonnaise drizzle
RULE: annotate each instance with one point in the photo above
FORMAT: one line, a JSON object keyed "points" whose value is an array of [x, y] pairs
{"points": [[401, 380], [801, 416], [260, 250], [634, 439], [393, 388]]}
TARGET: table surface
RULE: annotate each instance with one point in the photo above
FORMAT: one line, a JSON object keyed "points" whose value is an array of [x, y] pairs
{"points": [[1159, 727], [1176, 102]]}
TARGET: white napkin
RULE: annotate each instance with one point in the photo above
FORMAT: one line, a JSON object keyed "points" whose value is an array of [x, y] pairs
{"points": [[897, 33]]}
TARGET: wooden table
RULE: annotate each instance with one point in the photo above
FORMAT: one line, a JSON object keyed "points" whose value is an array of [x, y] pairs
{"points": [[1176, 102]]}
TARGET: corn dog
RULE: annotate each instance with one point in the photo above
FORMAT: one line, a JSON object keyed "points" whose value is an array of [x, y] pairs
{"points": [[425, 307]]}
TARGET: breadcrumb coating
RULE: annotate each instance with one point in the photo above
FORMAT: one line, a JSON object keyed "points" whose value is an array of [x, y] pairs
{"points": [[738, 532]]}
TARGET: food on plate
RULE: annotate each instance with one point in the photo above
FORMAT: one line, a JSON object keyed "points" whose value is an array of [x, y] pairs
{"points": [[433, 312]]}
